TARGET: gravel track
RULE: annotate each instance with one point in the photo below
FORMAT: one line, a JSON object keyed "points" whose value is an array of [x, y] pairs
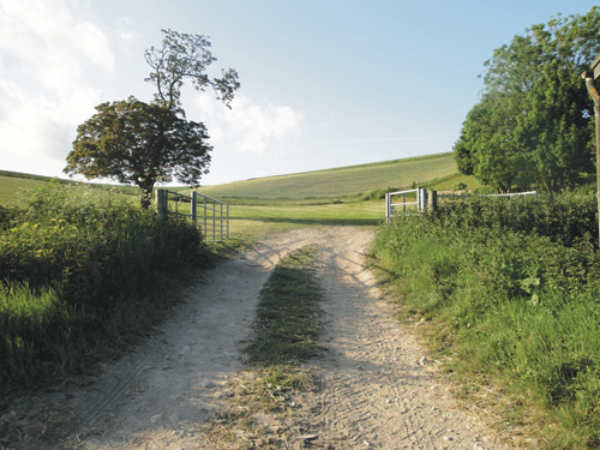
{"points": [[377, 389]]}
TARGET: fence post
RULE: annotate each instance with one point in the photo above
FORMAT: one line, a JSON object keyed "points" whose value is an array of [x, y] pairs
{"points": [[434, 200], [162, 203], [404, 204], [194, 207]]}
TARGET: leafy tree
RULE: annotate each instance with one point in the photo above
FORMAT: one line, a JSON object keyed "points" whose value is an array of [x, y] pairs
{"points": [[139, 143], [186, 56], [489, 155], [532, 125]]}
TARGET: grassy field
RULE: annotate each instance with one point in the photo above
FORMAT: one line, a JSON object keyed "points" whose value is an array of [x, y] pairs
{"points": [[341, 182], [17, 188], [343, 196]]}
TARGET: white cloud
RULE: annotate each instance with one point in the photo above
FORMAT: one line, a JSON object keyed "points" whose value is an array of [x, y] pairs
{"points": [[248, 126], [47, 55], [126, 31]]}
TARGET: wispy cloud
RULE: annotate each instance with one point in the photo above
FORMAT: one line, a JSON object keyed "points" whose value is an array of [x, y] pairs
{"points": [[248, 126]]}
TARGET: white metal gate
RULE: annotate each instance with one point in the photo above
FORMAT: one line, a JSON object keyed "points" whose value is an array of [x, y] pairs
{"points": [[401, 203], [210, 215]]}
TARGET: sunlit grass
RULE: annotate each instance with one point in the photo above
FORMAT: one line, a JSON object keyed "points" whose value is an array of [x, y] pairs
{"points": [[342, 181]]}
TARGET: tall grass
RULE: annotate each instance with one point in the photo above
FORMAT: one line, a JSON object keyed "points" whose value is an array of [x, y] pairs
{"points": [[77, 275], [512, 290]]}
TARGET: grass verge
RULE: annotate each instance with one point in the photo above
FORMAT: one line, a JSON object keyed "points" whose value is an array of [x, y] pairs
{"points": [[285, 334], [82, 277], [507, 298]]}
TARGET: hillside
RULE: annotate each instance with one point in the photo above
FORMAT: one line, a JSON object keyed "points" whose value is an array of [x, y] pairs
{"points": [[342, 181], [16, 187], [434, 171]]}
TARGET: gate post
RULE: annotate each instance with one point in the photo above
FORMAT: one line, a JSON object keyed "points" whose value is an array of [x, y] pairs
{"points": [[162, 199], [434, 200], [387, 207], [194, 207], [422, 199]]}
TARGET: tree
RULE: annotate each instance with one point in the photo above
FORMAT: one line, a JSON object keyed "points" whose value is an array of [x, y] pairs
{"points": [[485, 152], [531, 127], [188, 56], [139, 143]]}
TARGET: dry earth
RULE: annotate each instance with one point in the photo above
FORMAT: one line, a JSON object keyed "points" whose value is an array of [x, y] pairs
{"points": [[377, 388]]}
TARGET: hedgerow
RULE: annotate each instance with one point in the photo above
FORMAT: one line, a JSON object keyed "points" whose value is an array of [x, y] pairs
{"points": [[80, 275], [513, 290]]}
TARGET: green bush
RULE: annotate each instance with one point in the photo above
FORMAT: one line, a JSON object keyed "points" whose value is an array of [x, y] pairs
{"points": [[517, 284], [566, 219], [77, 272]]}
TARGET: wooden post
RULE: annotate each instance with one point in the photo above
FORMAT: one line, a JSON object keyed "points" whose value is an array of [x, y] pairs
{"points": [[591, 88], [434, 200], [161, 203], [403, 204], [194, 211]]}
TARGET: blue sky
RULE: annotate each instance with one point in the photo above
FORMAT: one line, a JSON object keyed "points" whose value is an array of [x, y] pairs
{"points": [[324, 83]]}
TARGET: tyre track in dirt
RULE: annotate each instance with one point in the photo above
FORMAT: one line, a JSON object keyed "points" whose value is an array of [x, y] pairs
{"points": [[159, 394], [378, 389]]}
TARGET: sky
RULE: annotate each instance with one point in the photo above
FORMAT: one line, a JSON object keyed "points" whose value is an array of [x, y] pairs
{"points": [[323, 83]]}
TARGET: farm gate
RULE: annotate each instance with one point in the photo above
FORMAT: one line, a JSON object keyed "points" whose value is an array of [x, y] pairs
{"points": [[210, 215], [419, 200]]}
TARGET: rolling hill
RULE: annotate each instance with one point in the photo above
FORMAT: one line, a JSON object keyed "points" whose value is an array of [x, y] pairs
{"points": [[342, 181], [436, 171]]}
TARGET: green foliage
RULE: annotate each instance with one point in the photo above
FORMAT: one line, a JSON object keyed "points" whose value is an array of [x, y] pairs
{"points": [[138, 143], [513, 288], [532, 127], [566, 219], [184, 56], [77, 277]]}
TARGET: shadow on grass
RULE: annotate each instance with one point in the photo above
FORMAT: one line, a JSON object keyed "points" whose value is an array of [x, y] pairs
{"points": [[314, 221]]}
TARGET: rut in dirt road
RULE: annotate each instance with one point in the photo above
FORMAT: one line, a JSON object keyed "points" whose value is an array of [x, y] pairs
{"points": [[376, 391]]}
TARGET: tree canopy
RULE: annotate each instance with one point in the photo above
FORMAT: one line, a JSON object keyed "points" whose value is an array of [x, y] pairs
{"points": [[139, 143], [532, 126], [186, 56]]}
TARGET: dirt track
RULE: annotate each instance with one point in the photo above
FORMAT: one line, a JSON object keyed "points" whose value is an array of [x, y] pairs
{"points": [[377, 389]]}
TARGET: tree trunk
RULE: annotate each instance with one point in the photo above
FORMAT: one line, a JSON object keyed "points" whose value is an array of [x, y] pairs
{"points": [[146, 198]]}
